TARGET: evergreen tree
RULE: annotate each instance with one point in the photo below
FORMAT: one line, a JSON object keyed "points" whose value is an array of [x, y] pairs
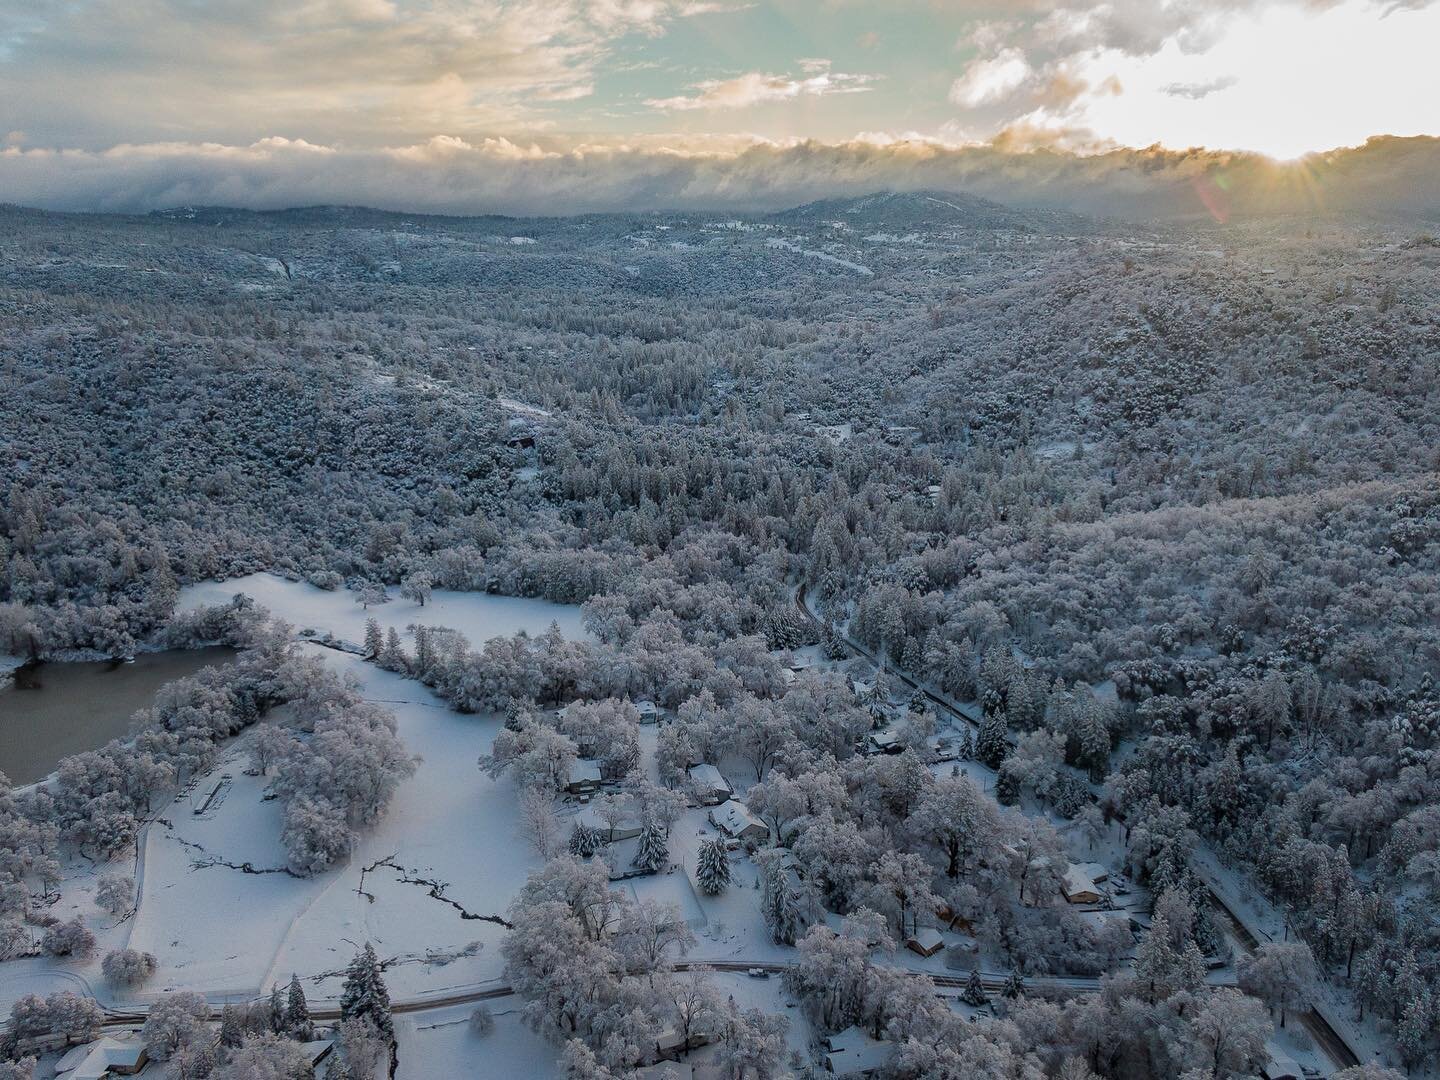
{"points": [[374, 639], [1014, 985], [364, 996], [653, 853], [990, 748], [712, 870], [277, 1009], [974, 992], [584, 841], [297, 1012], [232, 1026], [778, 903], [424, 652], [1007, 788], [392, 656]]}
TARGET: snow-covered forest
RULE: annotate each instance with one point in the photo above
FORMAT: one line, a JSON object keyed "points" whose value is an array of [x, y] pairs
{"points": [[1016, 632]]}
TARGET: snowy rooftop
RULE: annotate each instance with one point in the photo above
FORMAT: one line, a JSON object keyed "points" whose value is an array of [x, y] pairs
{"points": [[853, 1052], [735, 818], [95, 1060], [708, 777]]}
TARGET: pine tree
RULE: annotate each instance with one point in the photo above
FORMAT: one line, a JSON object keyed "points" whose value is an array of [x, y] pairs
{"points": [[277, 1009], [712, 870], [424, 652], [990, 748], [374, 639], [297, 1012], [1014, 985], [1007, 788], [653, 853], [232, 1026], [392, 656], [778, 903], [364, 996], [974, 992], [584, 841]]}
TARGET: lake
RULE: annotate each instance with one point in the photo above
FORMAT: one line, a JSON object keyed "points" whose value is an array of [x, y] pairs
{"points": [[55, 710]]}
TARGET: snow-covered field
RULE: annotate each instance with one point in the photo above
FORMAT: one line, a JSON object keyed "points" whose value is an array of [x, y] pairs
{"points": [[449, 824], [479, 616], [450, 830]]}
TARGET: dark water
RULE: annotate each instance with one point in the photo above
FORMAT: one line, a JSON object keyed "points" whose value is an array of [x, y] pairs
{"points": [[54, 710]]}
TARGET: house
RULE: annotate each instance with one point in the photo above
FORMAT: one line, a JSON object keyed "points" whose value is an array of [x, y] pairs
{"points": [[584, 777], [623, 829], [853, 1052], [735, 820], [1279, 1065], [710, 787], [1081, 883], [926, 941], [113, 1055], [884, 741], [648, 710]]}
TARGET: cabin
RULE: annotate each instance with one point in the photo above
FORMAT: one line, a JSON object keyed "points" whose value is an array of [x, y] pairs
{"points": [[926, 941], [584, 777], [735, 820], [648, 710], [853, 1052], [1279, 1065], [709, 786], [114, 1055], [1081, 883]]}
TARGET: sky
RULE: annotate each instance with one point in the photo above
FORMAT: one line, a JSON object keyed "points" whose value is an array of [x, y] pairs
{"points": [[97, 89]]}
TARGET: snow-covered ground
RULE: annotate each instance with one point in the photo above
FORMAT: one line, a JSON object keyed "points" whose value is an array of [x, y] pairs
{"points": [[479, 616], [220, 929]]}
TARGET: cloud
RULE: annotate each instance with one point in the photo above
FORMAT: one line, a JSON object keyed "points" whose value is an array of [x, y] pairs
{"points": [[451, 175], [1197, 90], [990, 80], [358, 71], [755, 88]]}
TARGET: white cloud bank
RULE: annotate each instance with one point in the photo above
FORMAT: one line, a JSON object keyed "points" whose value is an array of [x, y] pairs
{"points": [[448, 175]]}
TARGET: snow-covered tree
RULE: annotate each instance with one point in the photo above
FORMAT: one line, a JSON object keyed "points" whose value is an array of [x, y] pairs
{"points": [[175, 1021], [364, 995], [113, 893], [1280, 973], [712, 867], [652, 853], [297, 1012], [266, 1056], [584, 841], [127, 967], [974, 992], [71, 938]]}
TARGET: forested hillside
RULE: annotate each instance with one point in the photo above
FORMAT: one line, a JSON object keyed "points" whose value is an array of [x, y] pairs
{"points": [[1163, 500]]}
